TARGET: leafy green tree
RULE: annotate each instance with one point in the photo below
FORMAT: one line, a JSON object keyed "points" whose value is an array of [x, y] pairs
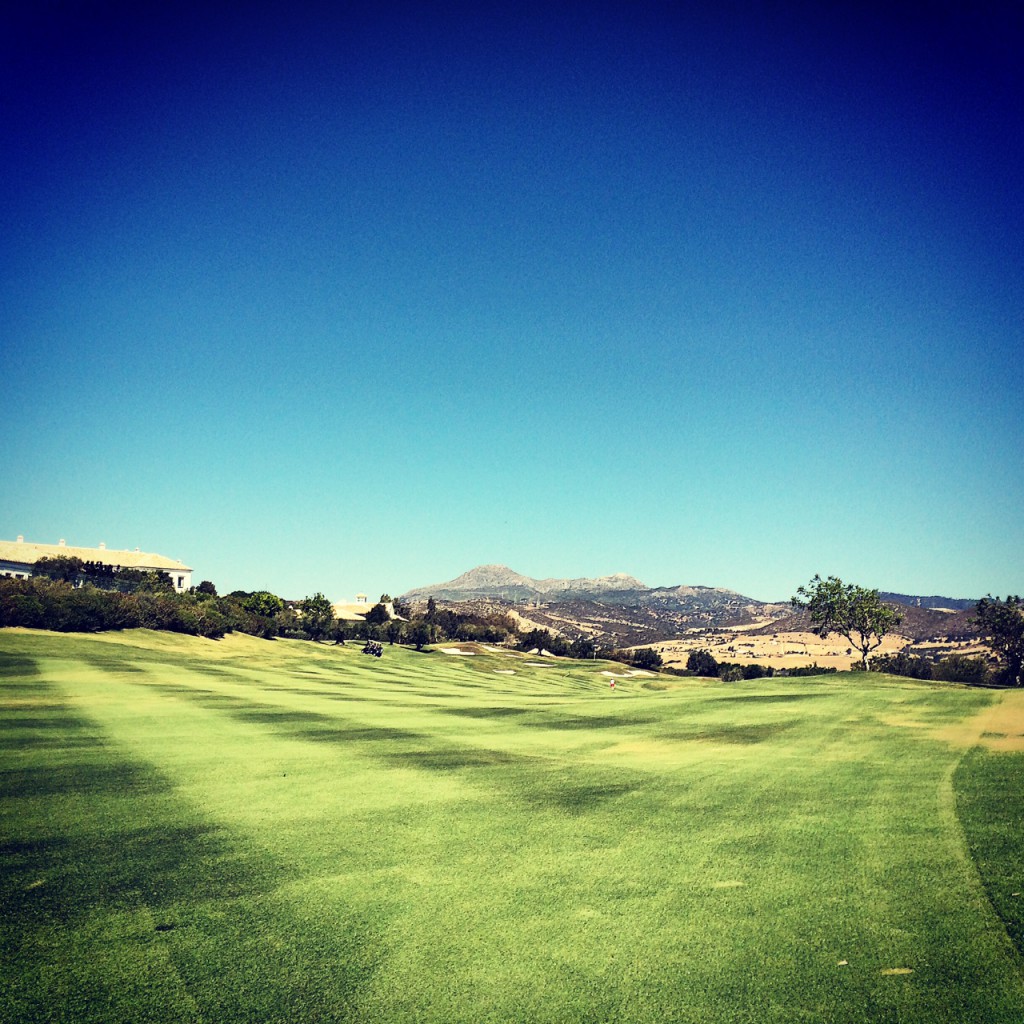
{"points": [[206, 587], [393, 631], [61, 567], [582, 647], [317, 616], [702, 663], [369, 630], [648, 658], [377, 615], [903, 664], [543, 640], [419, 633], [431, 610], [143, 581], [264, 603], [959, 668], [851, 611], [1002, 625]]}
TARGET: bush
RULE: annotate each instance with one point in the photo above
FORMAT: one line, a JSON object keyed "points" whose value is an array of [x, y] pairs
{"points": [[808, 670], [959, 668], [647, 658], [702, 663], [902, 664]]}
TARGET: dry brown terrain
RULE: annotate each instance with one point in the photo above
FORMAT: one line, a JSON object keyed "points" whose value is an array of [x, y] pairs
{"points": [[796, 649]]}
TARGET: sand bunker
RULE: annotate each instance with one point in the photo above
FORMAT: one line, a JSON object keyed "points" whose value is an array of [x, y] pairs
{"points": [[456, 650]]}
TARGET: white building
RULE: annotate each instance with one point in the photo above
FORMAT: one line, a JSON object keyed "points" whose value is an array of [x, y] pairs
{"points": [[18, 557]]}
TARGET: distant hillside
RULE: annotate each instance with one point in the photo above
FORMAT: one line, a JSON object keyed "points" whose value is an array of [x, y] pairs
{"points": [[620, 610], [918, 623], [498, 581], [957, 604], [616, 609]]}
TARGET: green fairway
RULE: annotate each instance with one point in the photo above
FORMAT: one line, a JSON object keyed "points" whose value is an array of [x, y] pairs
{"points": [[246, 830]]}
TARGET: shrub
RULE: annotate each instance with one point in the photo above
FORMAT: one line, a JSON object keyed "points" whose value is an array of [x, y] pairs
{"points": [[902, 664], [647, 658], [959, 668], [702, 663], [808, 670]]}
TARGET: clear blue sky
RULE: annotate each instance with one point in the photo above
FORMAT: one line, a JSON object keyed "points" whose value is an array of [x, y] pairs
{"points": [[357, 300]]}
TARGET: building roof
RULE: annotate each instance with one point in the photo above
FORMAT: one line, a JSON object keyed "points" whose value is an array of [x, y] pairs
{"points": [[349, 611], [29, 554]]}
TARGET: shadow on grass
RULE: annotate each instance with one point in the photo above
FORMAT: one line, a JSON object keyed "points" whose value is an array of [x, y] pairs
{"points": [[43, 728], [356, 734], [106, 859], [743, 734], [453, 758], [495, 712], [989, 791], [554, 720], [573, 797], [771, 698]]}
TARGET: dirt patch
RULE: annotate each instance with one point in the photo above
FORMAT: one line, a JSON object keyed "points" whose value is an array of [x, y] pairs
{"points": [[778, 650], [1000, 726]]}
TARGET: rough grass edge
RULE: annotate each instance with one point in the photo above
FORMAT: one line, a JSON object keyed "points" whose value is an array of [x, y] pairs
{"points": [[988, 787]]}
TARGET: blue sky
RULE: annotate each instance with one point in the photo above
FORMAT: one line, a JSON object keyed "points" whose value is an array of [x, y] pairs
{"points": [[356, 299]]}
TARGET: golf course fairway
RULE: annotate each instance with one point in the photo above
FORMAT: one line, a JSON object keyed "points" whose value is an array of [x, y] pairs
{"points": [[268, 831]]}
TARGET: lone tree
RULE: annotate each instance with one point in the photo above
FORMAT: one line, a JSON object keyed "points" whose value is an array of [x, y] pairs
{"points": [[1002, 624], [854, 612], [419, 633], [378, 614], [647, 657], [317, 615], [262, 602], [702, 663]]}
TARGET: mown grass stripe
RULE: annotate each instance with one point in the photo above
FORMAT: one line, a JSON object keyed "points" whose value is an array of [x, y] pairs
{"points": [[989, 788]]}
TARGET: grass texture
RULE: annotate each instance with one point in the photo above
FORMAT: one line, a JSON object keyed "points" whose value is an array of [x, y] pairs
{"points": [[244, 830]]}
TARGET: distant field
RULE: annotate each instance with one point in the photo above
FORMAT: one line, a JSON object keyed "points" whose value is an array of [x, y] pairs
{"points": [[243, 830]]}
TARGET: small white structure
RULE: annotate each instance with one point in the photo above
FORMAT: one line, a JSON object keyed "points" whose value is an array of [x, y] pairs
{"points": [[17, 559]]}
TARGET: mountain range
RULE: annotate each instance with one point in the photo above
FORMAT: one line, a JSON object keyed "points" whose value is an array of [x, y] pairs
{"points": [[622, 609], [502, 583], [617, 606]]}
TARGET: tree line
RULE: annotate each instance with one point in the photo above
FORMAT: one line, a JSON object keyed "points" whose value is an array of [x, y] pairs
{"points": [[69, 595]]}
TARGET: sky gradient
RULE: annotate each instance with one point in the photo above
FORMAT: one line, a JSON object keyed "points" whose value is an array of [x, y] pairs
{"points": [[355, 300]]}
